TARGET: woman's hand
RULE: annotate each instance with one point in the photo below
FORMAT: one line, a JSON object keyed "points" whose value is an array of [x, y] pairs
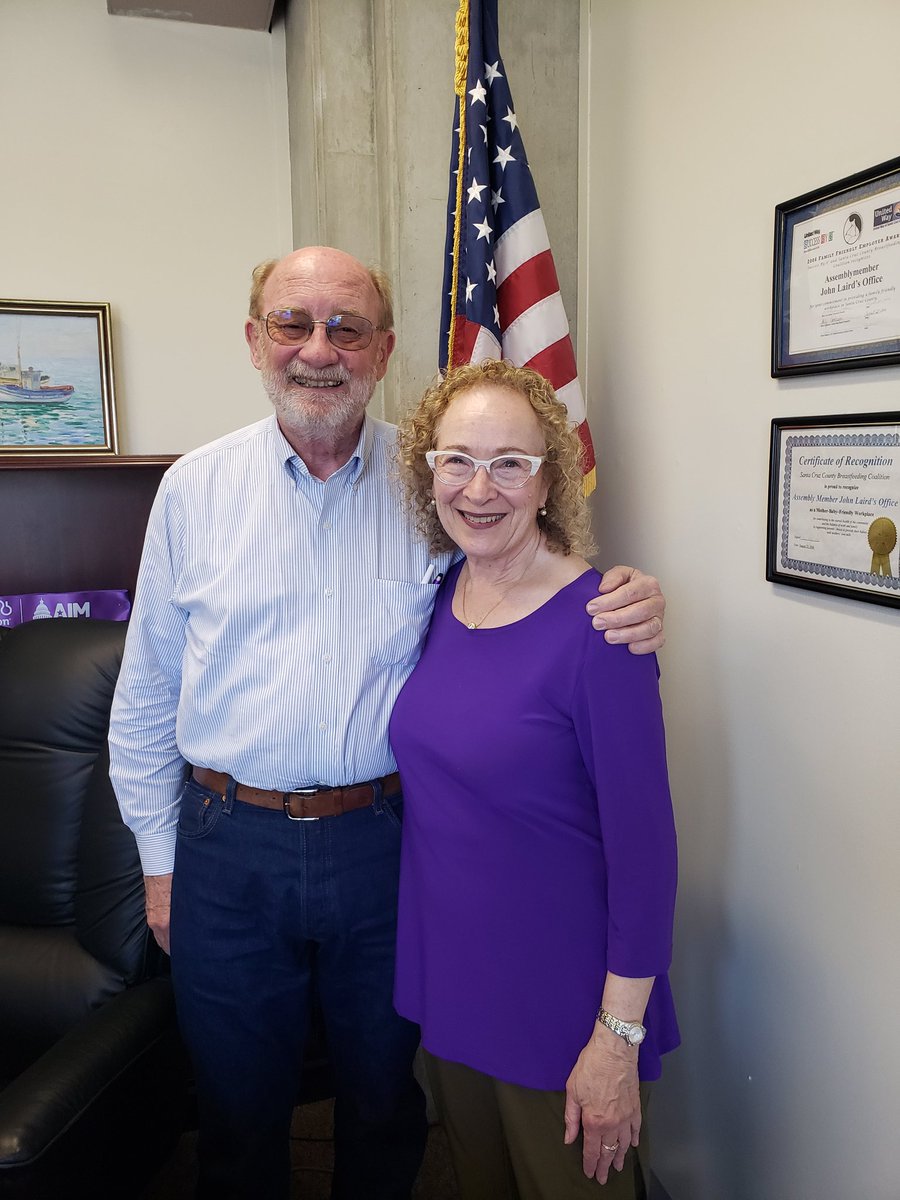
{"points": [[602, 1097]]}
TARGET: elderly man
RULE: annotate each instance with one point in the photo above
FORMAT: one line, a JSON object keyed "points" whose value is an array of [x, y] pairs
{"points": [[281, 602]]}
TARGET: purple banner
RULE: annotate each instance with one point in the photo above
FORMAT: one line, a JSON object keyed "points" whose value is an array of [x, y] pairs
{"points": [[102, 606]]}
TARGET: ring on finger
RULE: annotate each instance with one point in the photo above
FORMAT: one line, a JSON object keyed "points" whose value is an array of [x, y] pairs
{"points": [[609, 1149]]}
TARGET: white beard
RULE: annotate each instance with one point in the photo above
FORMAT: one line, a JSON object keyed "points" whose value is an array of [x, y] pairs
{"points": [[316, 412]]}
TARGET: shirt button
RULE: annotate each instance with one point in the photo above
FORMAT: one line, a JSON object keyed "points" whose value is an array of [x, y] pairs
{"points": [[326, 524], [329, 592], [326, 658], [322, 725]]}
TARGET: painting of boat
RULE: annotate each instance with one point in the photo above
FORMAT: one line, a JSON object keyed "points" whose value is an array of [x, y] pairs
{"points": [[9, 373], [56, 378], [28, 385]]}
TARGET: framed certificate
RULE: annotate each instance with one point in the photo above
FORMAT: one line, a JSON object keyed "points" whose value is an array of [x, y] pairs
{"points": [[836, 287], [834, 505]]}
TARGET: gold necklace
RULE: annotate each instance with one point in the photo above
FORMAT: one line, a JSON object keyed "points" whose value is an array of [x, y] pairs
{"points": [[484, 616]]}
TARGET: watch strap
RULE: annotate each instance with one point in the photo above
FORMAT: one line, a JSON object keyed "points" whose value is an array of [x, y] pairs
{"points": [[624, 1029]]}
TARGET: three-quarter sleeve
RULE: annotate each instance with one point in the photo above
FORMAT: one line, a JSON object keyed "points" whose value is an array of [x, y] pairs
{"points": [[619, 725]]}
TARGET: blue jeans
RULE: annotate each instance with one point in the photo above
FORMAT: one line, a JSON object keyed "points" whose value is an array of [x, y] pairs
{"points": [[267, 913]]}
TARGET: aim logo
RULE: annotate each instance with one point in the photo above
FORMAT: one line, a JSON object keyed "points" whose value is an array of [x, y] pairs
{"points": [[72, 609]]}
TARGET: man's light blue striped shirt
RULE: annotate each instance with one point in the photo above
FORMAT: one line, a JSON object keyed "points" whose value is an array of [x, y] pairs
{"points": [[276, 618]]}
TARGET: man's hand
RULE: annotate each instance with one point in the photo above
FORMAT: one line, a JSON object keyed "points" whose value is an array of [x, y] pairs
{"points": [[157, 903], [602, 1097], [630, 607]]}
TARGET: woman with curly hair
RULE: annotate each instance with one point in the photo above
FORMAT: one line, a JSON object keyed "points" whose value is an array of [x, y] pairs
{"points": [[538, 862]]}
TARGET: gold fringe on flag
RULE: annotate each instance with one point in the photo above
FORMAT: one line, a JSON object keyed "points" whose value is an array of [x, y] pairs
{"points": [[462, 48], [459, 86]]}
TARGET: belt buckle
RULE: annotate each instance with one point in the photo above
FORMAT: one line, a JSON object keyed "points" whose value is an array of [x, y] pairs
{"points": [[307, 791]]}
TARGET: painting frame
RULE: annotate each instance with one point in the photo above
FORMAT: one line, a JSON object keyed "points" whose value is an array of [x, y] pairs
{"points": [[834, 495], [836, 276], [71, 410]]}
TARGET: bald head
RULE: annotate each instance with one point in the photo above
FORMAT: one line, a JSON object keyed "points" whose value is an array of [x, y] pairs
{"points": [[320, 265]]}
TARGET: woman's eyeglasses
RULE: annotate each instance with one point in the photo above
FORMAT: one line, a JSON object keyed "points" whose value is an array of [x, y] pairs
{"points": [[505, 470]]}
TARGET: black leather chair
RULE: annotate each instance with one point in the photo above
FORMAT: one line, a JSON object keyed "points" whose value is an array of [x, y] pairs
{"points": [[93, 1075]]}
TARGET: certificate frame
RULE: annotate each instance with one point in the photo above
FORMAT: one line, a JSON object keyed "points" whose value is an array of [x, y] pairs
{"points": [[56, 379], [829, 313], [834, 505]]}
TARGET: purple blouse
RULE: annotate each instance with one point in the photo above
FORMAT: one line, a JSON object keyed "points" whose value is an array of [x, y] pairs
{"points": [[538, 840]]}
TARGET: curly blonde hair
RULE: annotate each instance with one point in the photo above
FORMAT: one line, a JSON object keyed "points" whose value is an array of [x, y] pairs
{"points": [[567, 523]]}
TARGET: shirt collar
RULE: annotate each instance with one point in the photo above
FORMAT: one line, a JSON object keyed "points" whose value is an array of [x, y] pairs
{"points": [[291, 460]]}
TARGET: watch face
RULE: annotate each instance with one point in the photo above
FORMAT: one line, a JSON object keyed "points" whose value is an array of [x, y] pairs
{"points": [[636, 1035]]}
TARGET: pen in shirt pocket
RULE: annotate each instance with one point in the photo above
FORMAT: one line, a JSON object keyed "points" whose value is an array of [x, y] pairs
{"points": [[430, 577]]}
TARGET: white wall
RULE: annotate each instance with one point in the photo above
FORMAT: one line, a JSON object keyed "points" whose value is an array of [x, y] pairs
{"points": [[145, 163], [782, 705]]}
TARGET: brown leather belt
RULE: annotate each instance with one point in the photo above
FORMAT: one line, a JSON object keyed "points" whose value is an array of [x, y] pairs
{"points": [[306, 803]]}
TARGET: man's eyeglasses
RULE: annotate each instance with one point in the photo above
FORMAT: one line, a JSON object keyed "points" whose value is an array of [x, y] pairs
{"points": [[294, 327], [506, 470]]}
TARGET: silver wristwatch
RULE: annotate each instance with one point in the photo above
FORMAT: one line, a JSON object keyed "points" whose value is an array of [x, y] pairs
{"points": [[633, 1032]]}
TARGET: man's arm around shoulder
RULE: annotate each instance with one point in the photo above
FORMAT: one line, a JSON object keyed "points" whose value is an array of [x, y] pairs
{"points": [[630, 607]]}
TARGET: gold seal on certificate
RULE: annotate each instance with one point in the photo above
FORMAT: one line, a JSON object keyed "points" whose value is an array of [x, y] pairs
{"points": [[882, 540]]}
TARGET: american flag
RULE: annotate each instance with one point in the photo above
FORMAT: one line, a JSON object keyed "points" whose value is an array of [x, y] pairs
{"points": [[501, 293]]}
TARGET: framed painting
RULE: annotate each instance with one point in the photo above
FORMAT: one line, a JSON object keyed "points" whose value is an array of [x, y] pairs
{"points": [[56, 379]]}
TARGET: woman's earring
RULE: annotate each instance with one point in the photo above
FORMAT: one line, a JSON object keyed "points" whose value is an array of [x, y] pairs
{"points": [[542, 512]]}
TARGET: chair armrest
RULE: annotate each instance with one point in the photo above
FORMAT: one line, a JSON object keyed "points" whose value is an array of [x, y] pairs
{"points": [[42, 1103]]}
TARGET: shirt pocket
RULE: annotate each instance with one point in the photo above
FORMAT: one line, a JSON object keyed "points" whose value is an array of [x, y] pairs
{"points": [[400, 613]]}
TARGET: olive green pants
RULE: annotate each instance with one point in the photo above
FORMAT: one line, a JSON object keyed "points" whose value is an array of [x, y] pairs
{"points": [[506, 1141]]}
